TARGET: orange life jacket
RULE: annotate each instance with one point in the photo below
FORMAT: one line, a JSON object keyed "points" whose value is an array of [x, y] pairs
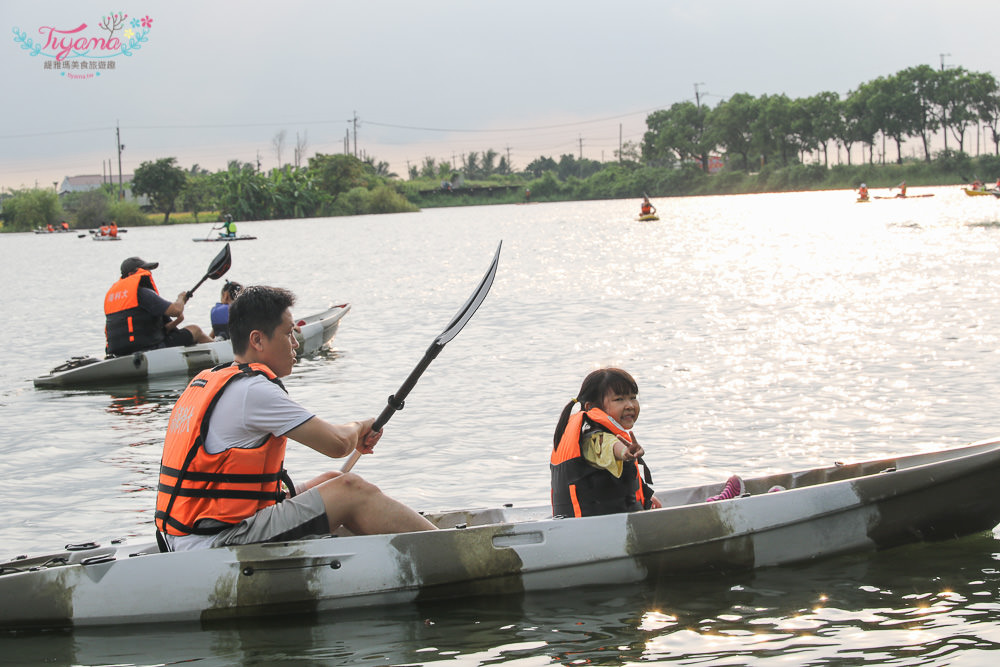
{"points": [[226, 487], [580, 489], [647, 208], [129, 328]]}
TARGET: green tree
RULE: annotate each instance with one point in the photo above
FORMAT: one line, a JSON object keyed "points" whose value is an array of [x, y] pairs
{"points": [[540, 165], [918, 88], [91, 208], [162, 181], [677, 134], [428, 168], [243, 192], [824, 110], [25, 210], [293, 193], [731, 121], [336, 174], [988, 106], [199, 192]]}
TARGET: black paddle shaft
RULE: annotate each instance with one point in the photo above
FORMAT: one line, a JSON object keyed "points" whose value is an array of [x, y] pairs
{"points": [[464, 314]]}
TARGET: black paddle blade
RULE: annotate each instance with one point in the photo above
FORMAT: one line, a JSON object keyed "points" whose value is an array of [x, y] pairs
{"points": [[466, 312], [216, 269], [221, 263]]}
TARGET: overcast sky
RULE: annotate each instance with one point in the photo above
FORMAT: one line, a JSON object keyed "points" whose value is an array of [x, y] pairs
{"points": [[218, 80]]}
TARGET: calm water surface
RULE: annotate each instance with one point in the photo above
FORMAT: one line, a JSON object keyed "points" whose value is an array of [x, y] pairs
{"points": [[767, 333]]}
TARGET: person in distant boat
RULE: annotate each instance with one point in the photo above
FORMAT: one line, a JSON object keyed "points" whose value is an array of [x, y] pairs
{"points": [[902, 189], [220, 311], [595, 456], [228, 228], [863, 191], [221, 474], [64, 225], [647, 207], [137, 318], [527, 194], [50, 228], [113, 229]]}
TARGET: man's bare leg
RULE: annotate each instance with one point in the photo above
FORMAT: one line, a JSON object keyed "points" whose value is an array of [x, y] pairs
{"points": [[365, 510]]}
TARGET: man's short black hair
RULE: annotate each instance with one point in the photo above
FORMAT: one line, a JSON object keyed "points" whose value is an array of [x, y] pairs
{"points": [[257, 307]]}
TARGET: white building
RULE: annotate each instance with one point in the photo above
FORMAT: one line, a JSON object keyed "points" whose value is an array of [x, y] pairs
{"points": [[89, 182]]}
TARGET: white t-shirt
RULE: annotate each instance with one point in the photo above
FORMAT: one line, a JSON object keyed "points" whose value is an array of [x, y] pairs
{"points": [[249, 411]]}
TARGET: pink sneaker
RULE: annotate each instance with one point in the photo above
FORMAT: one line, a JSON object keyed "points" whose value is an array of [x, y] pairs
{"points": [[734, 489]]}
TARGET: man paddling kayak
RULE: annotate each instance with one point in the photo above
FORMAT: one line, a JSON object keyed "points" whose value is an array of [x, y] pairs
{"points": [[222, 474], [137, 318]]}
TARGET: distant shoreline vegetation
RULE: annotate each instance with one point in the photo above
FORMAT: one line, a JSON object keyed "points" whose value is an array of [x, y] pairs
{"points": [[745, 144]]}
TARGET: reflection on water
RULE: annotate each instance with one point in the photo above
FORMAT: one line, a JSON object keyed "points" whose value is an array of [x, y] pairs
{"points": [[767, 333]]}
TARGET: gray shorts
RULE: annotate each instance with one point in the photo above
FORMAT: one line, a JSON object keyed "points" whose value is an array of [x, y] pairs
{"points": [[290, 519]]}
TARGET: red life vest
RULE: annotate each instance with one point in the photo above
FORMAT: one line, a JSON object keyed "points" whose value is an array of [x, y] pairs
{"points": [[226, 487], [128, 327], [580, 489], [647, 208]]}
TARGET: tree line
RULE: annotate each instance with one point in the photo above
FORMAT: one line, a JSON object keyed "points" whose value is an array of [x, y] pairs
{"points": [[763, 141], [915, 103]]}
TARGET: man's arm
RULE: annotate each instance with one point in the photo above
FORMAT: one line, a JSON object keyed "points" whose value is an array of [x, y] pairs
{"points": [[336, 440], [176, 309]]}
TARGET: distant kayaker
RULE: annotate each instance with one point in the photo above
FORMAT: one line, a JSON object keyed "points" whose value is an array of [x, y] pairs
{"points": [[647, 207], [64, 225], [863, 191], [113, 229], [222, 480], [902, 189], [228, 228], [137, 318], [595, 456], [220, 311]]}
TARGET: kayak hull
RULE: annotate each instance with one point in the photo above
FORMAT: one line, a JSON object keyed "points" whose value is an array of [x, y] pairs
{"points": [[224, 239], [840, 509], [649, 216], [317, 330]]}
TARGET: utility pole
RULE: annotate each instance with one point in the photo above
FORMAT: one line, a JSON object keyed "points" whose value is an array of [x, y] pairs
{"points": [[619, 143], [942, 59], [697, 95], [355, 119], [581, 146], [121, 147]]}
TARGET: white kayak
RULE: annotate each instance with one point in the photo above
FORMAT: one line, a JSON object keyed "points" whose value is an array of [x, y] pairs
{"points": [[840, 509], [220, 239], [315, 332]]}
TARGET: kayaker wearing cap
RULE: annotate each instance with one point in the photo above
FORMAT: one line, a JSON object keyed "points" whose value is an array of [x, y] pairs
{"points": [[137, 318]]}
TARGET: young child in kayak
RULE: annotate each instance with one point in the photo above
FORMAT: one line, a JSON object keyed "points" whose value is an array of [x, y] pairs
{"points": [[220, 311], [595, 457]]}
